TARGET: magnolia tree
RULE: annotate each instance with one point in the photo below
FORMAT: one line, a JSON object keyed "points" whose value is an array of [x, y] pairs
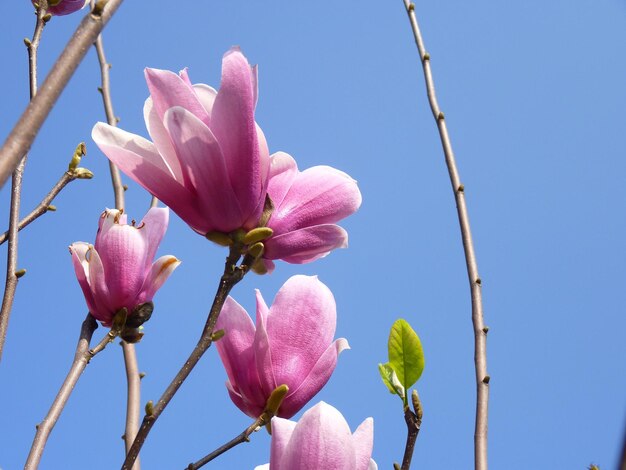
{"points": [[208, 161]]}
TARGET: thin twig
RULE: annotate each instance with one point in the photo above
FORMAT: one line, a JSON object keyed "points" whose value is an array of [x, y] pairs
{"points": [[105, 90], [44, 205], [16, 187], [480, 330], [232, 275], [240, 439], [413, 424], [81, 358], [19, 141], [133, 397], [133, 380]]}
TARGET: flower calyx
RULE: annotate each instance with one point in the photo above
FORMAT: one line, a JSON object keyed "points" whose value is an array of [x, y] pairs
{"points": [[131, 333]]}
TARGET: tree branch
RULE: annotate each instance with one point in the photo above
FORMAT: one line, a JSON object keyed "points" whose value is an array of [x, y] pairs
{"points": [[19, 141], [133, 399], [16, 187], [232, 275], [480, 330], [81, 358], [240, 439], [105, 90], [44, 205]]}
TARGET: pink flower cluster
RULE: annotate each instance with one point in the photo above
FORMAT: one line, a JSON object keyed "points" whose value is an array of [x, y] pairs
{"points": [[209, 161]]}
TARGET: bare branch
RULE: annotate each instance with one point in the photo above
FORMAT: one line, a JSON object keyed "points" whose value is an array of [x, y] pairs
{"points": [[81, 358], [232, 275], [44, 205], [16, 187], [480, 330], [19, 141], [240, 439], [105, 90], [133, 398]]}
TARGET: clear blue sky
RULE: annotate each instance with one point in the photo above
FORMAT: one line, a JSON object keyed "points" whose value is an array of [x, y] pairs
{"points": [[535, 98]]}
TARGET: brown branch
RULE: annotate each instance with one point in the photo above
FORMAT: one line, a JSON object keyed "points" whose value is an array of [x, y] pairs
{"points": [[240, 439], [133, 397], [81, 358], [232, 275], [105, 90], [480, 330], [19, 141], [12, 276], [44, 205]]}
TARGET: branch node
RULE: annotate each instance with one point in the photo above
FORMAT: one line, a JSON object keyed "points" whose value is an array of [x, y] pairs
{"points": [[425, 57], [440, 116], [411, 7], [485, 329], [461, 188], [479, 281], [98, 8], [486, 379]]}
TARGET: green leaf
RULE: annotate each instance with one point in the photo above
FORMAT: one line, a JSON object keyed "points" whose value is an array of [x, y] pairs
{"points": [[390, 379], [405, 353]]}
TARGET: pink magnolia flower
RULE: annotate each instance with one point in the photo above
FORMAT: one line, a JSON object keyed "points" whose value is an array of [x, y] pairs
{"points": [[321, 440], [306, 206], [209, 160], [292, 344], [65, 7], [118, 271]]}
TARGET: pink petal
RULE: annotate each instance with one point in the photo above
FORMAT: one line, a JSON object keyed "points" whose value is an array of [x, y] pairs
{"points": [[318, 195], [264, 165], [321, 440], [232, 123], [237, 353], [161, 138], [315, 381], [306, 302], [126, 144], [66, 7], [206, 95], [363, 442], [152, 229], [122, 252], [78, 251], [205, 169], [98, 283], [169, 89], [307, 244], [262, 348], [282, 430], [138, 158], [251, 409], [372, 465], [283, 171], [159, 272]]}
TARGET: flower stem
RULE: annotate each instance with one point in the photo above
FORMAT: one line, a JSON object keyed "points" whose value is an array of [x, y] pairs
{"points": [[23, 134], [81, 358], [16, 187], [240, 439], [232, 275], [480, 330]]}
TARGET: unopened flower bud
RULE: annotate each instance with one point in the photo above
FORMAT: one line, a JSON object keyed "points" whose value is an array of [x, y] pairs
{"points": [[257, 235]]}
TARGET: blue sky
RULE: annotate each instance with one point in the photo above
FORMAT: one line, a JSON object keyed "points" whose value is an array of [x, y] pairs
{"points": [[534, 97]]}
